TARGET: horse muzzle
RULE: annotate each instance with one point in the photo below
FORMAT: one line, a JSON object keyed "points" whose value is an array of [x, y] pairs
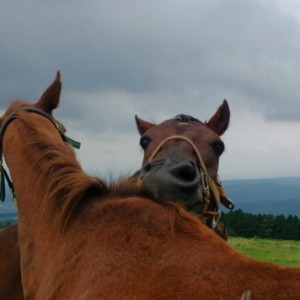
{"points": [[175, 181]]}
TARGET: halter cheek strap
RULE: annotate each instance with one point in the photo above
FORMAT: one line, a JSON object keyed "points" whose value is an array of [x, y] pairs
{"points": [[3, 173]]}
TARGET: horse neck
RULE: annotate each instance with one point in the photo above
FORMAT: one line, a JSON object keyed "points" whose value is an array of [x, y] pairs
{"points": [[24, 148], [15, 155], [27, 155]]}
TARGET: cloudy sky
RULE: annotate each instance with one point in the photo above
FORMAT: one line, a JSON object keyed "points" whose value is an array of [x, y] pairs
{"points": [[157, 59]]}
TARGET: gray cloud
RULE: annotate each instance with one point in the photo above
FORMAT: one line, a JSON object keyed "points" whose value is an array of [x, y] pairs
{"points": [[155, 59]]}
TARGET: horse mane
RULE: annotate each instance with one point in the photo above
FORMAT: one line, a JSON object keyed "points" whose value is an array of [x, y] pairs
{"points": [[64, 183]]}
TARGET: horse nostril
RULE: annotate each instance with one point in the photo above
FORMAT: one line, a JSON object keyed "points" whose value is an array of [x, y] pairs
{"points": [[152, 166], [145, 170], [186, 172], [147, 167]]}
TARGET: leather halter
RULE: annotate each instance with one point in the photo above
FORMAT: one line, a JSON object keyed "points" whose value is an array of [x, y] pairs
{"points": [[201, 165], [13, 115], [213, 192]]}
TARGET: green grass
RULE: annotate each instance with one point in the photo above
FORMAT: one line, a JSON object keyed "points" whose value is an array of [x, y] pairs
{"points": [[277, 251]]}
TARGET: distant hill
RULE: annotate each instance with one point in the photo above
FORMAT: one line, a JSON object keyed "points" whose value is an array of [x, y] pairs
{"points": [[8, 212], [266, 196]]}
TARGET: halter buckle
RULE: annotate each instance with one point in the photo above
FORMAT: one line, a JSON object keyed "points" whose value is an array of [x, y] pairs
{"points": [[205, 186]]}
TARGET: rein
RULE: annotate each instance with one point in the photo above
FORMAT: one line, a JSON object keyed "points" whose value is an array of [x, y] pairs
{"points": [[213, 192], [3, 173]]}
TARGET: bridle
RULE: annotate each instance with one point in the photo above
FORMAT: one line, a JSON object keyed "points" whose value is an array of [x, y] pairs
{"points": [[213, 191], [200, 163], [13, 115]]}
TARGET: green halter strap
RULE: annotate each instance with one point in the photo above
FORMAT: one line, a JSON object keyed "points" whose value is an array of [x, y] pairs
{"points": [[59, 127], [3, 173]]}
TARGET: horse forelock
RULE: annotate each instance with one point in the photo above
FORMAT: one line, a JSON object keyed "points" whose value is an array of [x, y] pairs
{"points": [[185, 118]]}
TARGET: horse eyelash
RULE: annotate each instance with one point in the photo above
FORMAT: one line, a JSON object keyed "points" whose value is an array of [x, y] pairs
{"points": [[144, 141], [218, 147]]}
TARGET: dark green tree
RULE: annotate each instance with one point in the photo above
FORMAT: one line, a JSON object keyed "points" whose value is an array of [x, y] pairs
{"points": [[239, 223], [267, 226]]}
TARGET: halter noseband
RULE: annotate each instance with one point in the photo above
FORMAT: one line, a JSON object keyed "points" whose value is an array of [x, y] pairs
{"points": [[3, 173], [201, 165], [212, 191]]}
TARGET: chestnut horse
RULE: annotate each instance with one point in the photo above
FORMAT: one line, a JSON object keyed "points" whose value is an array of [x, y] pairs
{"points": [[81, 238], [206, 138]]}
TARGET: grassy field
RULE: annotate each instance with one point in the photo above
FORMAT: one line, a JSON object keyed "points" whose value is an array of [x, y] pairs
{"points": [[277, 251]]}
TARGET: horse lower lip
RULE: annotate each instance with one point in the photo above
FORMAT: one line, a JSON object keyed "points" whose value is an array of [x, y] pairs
{"points": [[192, 201], [166, 179], [168, 187], [186, 186]]}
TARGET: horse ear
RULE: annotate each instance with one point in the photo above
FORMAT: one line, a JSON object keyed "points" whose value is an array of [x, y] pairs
{"points": [[50, 98], [142, 125], [220, 120]]}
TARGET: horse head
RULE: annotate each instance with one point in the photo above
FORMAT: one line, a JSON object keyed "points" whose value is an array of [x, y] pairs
{"points": [[181, 157]]}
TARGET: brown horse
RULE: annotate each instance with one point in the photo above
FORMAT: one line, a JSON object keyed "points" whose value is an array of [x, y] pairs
{"points": [[209, 143], [83, 239], [10, 274], [189, 151]]}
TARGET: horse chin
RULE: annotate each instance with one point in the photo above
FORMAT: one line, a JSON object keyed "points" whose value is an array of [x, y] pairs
{"points": [[192, 201], [164, 193]]}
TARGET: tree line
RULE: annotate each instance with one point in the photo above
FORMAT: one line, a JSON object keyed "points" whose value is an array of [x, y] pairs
{"points": [[240, 223], [5, 224]]}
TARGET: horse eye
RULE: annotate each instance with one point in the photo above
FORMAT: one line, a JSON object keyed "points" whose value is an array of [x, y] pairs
{"points": [[218, 147], [144, 141]]}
